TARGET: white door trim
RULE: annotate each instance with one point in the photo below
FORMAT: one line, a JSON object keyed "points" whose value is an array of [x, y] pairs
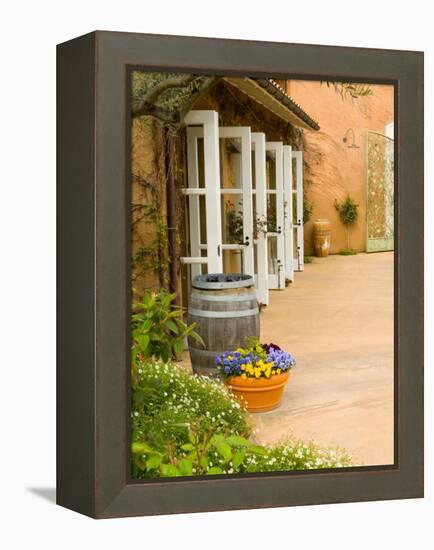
{"points": [[277, 281], [258, 147], [288, 215], [243, 133], [299, 229]]}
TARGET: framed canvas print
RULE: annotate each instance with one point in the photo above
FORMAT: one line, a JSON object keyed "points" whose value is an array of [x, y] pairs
{"points": [[240, 274]]}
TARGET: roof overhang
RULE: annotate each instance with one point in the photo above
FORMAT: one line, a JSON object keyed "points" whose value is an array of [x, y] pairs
{"points": [[272, 97]]}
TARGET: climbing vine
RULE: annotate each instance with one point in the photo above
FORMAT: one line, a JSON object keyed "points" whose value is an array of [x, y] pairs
{"points": [[150, 255]]}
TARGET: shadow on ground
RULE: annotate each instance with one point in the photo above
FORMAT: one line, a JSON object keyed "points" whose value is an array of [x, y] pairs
{"points": [[47, 493]]}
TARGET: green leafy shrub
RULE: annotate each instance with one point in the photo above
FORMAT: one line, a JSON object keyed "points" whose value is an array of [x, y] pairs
{"points": [[348, 252], [186, 425], [348, 212], [308, 259], [173, 410], [308, 208], [158, 329]]}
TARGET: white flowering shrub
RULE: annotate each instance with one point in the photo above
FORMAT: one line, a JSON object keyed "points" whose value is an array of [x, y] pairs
{"points": [[297, 455], [173, 410], [185, 425]]}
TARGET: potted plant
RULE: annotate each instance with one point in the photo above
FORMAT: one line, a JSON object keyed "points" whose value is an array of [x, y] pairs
{"points": [[349, 213], [256, 374]]}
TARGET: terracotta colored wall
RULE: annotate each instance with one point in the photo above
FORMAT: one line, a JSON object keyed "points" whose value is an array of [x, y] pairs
{"points": [[331, 169]]}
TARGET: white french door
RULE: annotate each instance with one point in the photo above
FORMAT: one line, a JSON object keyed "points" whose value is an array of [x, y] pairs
{"points": [[236, 201], [260, 216], [203, 125], [288, 212], [275, 215], [209, 193], [297, 189], [240, 213]]}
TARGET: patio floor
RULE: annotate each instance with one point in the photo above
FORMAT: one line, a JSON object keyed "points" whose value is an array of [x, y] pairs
{"points": [[337, 320]]}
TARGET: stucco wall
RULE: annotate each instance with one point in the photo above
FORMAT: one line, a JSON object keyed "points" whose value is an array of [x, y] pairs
{"points": [[148, 191], [332, 169]]}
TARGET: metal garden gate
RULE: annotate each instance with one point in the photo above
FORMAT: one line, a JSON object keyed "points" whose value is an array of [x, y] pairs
{"points": [[379, 192]]}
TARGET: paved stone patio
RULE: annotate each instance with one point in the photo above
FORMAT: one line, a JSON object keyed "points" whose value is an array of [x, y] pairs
{"points": [[337, 320]]}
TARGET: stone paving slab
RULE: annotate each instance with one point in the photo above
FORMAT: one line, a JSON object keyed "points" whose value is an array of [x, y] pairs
{"points": [[337, 320]]}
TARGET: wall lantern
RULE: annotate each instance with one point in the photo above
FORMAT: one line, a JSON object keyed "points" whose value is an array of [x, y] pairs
{"points": [[345, 139]]}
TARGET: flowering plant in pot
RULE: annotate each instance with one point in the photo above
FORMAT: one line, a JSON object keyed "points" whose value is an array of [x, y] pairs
{"points": [[257, 374]]}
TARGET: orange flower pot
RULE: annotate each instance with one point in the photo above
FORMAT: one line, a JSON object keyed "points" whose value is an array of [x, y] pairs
{"points": [[259, 394]]}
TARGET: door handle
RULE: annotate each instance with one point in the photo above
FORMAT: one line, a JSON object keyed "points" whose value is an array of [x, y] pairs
{"points": [[279, 230], [246, 241]]}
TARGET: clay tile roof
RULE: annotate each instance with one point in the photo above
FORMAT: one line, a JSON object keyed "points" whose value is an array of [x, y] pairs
{"points": [[273, 88]]}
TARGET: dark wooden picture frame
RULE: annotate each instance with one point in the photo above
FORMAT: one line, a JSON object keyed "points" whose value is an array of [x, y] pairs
{"points": [[93, 399]]}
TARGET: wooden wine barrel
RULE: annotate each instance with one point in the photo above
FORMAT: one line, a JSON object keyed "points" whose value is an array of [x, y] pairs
{"points": [[321, 237], [225, 310]]}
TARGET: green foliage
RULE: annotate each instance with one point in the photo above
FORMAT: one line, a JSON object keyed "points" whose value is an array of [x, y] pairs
{"points": [[348, 210], [153, 256], [158, 329], [352, 90], [308, 259], [205, 454], [191, 423], [185, 425], [348, 252], [295, 454], [308, 208], [234, 220], [172, 98]]}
